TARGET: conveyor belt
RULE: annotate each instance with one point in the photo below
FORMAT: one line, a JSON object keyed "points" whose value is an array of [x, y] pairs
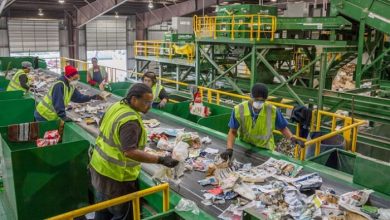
{"points": [[189, 187]]}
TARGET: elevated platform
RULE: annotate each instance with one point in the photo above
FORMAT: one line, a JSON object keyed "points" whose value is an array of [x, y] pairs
{"points": [[174, 61]]}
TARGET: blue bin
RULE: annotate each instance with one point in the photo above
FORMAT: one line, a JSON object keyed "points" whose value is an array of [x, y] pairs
{"points": [[336, 141]]}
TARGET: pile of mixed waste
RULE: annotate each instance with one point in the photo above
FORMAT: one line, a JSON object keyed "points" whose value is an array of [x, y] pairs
{"points": [[344, 78], [275, 188]]}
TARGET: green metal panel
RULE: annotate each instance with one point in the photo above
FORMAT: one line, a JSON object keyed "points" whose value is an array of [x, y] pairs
{"points": [[182, 110], [120, 92], [174, 37], [3, 84], [43, 182], [120, 85], [314, 23], [372, 173], [246, 9], [14, 111], [374, 12], [83, 76], [11, 95], [7, 63], [337, 159], [221, 125]]}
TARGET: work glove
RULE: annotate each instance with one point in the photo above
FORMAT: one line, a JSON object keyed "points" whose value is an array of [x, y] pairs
{"points": [[162, 103], [92, 82], [97, 97], [32, 89], [294, 141], [167, 161], [227, 154], [67, 119]]}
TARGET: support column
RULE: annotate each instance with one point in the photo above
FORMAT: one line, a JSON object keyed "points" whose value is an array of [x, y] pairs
{"points": [[197, 64], [322, 80], [212, 55], [253, 66], [358, 71], [159, 72], [177, 76]]}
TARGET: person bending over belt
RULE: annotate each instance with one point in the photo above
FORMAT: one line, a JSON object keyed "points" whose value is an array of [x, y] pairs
{"points": [[253, 122], [52, 106]]}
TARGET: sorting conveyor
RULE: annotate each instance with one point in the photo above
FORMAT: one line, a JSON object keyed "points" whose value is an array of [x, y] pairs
{"points": [[189, 187]]}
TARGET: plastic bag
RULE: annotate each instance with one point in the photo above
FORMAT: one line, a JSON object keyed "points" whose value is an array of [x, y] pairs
{"points": [[180, 151], [163, 173], [186, 206]]}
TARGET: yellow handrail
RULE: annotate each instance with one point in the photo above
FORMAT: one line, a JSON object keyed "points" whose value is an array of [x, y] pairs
{"points": [[163, 48], [349, 129], [212, 26], [134, 197]]}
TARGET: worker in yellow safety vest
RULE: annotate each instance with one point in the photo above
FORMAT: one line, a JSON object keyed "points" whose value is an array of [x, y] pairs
{"points": [[53, 105], [253, 122], [116, 160], [20, 81], [160, 96]]}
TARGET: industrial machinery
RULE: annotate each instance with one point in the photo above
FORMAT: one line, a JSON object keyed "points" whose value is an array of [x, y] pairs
{"points": [[60, 166], [298, 57]]}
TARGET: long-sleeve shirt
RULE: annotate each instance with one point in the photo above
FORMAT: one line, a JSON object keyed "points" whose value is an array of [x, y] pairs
{"points": [[58, 97], [23, 80]]}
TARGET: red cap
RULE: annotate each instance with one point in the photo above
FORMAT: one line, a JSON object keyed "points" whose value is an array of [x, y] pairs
{"points": [[70, 71]]}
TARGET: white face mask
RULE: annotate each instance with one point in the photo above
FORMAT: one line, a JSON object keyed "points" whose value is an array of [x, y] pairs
{"points": [[258, 104], [73, 82]]}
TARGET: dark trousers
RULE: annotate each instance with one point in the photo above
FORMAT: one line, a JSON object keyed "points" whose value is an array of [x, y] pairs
{"points": [[120, 212]]}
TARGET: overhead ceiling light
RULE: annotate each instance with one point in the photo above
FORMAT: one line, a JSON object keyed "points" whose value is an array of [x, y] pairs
{"points": [[274, 0], [150, 5], [61, 1], [116, 15], [40, 12]]}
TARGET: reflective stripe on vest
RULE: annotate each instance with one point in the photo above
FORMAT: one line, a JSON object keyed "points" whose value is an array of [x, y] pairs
{"points": [[14, 83], [45, 107], [113, 160], [269, 123], [257, 132], [108, 158], [110, 140]]}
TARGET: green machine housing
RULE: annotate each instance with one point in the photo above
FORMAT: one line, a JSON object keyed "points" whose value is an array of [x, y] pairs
{"points": [[241, 26]]}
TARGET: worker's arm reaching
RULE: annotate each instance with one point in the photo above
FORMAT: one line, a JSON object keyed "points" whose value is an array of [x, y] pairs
{"points": [[163, 97], [230, 143], [81, 98], [130, 134], [24, 81]]}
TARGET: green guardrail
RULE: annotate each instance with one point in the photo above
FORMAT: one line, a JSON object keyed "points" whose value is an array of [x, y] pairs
{"points": [[44, 182]]}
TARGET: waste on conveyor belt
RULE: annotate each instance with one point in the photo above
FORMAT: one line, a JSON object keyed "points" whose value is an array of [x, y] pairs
{"points": [[276, 188]]}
